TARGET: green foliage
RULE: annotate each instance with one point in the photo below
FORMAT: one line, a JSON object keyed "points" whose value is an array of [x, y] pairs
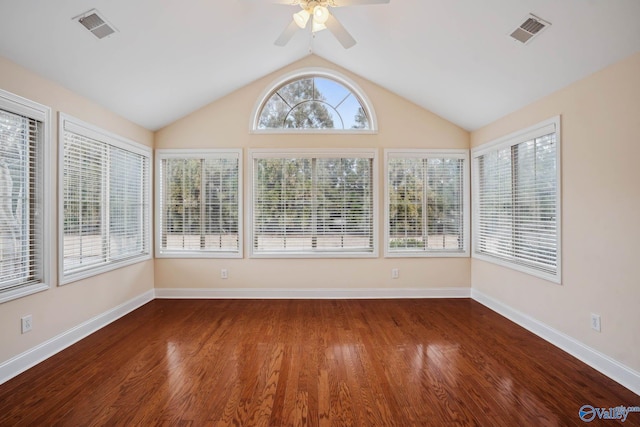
{"points": [[416, 184], [362, 122], [297, 105], [300, 104], [313, 196], [200, 196]]}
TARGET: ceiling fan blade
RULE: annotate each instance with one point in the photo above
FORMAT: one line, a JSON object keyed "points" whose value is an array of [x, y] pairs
{"points": [[287, 34], [339, 32], [339, 3]]}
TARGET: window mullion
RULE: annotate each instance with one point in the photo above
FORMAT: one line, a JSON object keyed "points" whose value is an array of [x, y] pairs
{"points": [[515, 191], [105, 214], [425, 203], [201, 200], [315, 206]]}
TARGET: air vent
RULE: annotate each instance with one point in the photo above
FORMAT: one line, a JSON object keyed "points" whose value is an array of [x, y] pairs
{"points": [[531, 27], [94, 22]]}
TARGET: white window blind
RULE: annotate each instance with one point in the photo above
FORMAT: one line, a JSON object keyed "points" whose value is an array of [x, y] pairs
{"points": [[427, 198], [105, 191], [517, 201], [199, 196], [313, 204], [22, 238]]}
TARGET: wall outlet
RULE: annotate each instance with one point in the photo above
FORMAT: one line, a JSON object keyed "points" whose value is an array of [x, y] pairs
{"points": [[395, 273], [224, 273], [595, 322], [27, 323]]}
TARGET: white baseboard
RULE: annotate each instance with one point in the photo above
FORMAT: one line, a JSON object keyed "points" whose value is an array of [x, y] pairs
{"points": [[613, 369], [39, 353], [316, 293]]}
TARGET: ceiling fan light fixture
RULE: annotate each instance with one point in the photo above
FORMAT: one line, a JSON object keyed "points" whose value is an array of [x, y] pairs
{"points": [[317, 27], [320, 14], [301, 18]]}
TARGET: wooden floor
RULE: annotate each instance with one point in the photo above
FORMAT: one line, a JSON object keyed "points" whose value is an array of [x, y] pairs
{"points": [[322, 362]]}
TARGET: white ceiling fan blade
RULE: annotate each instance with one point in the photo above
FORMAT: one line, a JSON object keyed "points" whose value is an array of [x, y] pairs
{"points": [[340, 3], [287, 34], [340, 33]]}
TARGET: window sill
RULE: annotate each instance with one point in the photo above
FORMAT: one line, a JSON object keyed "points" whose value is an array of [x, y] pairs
{"points": [[23, 291]]}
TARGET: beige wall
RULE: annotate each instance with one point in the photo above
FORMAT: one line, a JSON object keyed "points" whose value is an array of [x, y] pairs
{"points": [[225, 124], [601, 213], [59, 309]]}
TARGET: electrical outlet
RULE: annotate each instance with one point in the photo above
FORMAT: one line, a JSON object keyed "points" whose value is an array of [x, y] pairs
{"points": [[224, 273], [395, 273], [27, 323], [595, 322]]}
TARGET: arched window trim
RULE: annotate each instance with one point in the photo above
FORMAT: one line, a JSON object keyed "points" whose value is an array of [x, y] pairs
{"points": [[308, 73]]}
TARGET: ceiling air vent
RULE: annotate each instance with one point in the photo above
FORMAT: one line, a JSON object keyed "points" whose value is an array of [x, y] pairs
{"points": [[531, 27], [94, 22]]}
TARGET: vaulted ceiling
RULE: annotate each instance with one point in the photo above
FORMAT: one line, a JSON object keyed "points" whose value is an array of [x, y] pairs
{"points": [[454, 58]]}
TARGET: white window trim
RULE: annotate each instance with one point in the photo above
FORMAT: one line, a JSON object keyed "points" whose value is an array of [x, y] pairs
{"points": [[19, 105], [67, 122], [543, 128], [198, 154], [420, 154], [314, 72], [318, 153]]}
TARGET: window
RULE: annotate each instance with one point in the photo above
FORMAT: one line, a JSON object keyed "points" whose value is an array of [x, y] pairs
{"points": [[199, 196], [314, 101], [426, 210], [313, 204], [105, 200], [517, 201], [24, 203]]}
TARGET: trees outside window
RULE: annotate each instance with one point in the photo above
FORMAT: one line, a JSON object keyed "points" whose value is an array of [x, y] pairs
{"points": [[517, 201], [105, 200], [313, 204], [313, 102], [426, 203], [199, 203], [24, 204]]}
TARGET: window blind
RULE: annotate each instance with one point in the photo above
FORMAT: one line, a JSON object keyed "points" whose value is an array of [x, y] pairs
{"points": [[518, 202], [313, 205], [426, 203], [21, 201], [105, 194], [199, 203]]}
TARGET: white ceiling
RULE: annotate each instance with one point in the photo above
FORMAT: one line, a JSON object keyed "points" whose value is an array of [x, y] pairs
{"points": [[453, 57]]}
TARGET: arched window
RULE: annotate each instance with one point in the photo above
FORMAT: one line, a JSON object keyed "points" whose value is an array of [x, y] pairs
{"points": [[314, 101]]}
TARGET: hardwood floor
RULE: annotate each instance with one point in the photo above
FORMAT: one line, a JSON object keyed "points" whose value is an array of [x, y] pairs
{"points": [[310, 362]]}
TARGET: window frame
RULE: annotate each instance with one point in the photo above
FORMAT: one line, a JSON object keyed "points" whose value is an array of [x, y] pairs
{"points": [[552, 125], [18, 105], [162, 154], [310, 73], [108, 138], [255, 154], [466, 210]]}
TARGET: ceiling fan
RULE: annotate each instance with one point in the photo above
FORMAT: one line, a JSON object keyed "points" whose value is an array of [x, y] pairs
{"points": [[316, 13]]}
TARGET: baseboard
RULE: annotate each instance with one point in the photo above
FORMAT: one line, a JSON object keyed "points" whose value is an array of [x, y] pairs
{"points": [[35, 355], [613, 369], [316, 293]]}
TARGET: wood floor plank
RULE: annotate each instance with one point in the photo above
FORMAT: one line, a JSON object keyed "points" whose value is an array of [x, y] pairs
{"points": [[310, 363]]}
